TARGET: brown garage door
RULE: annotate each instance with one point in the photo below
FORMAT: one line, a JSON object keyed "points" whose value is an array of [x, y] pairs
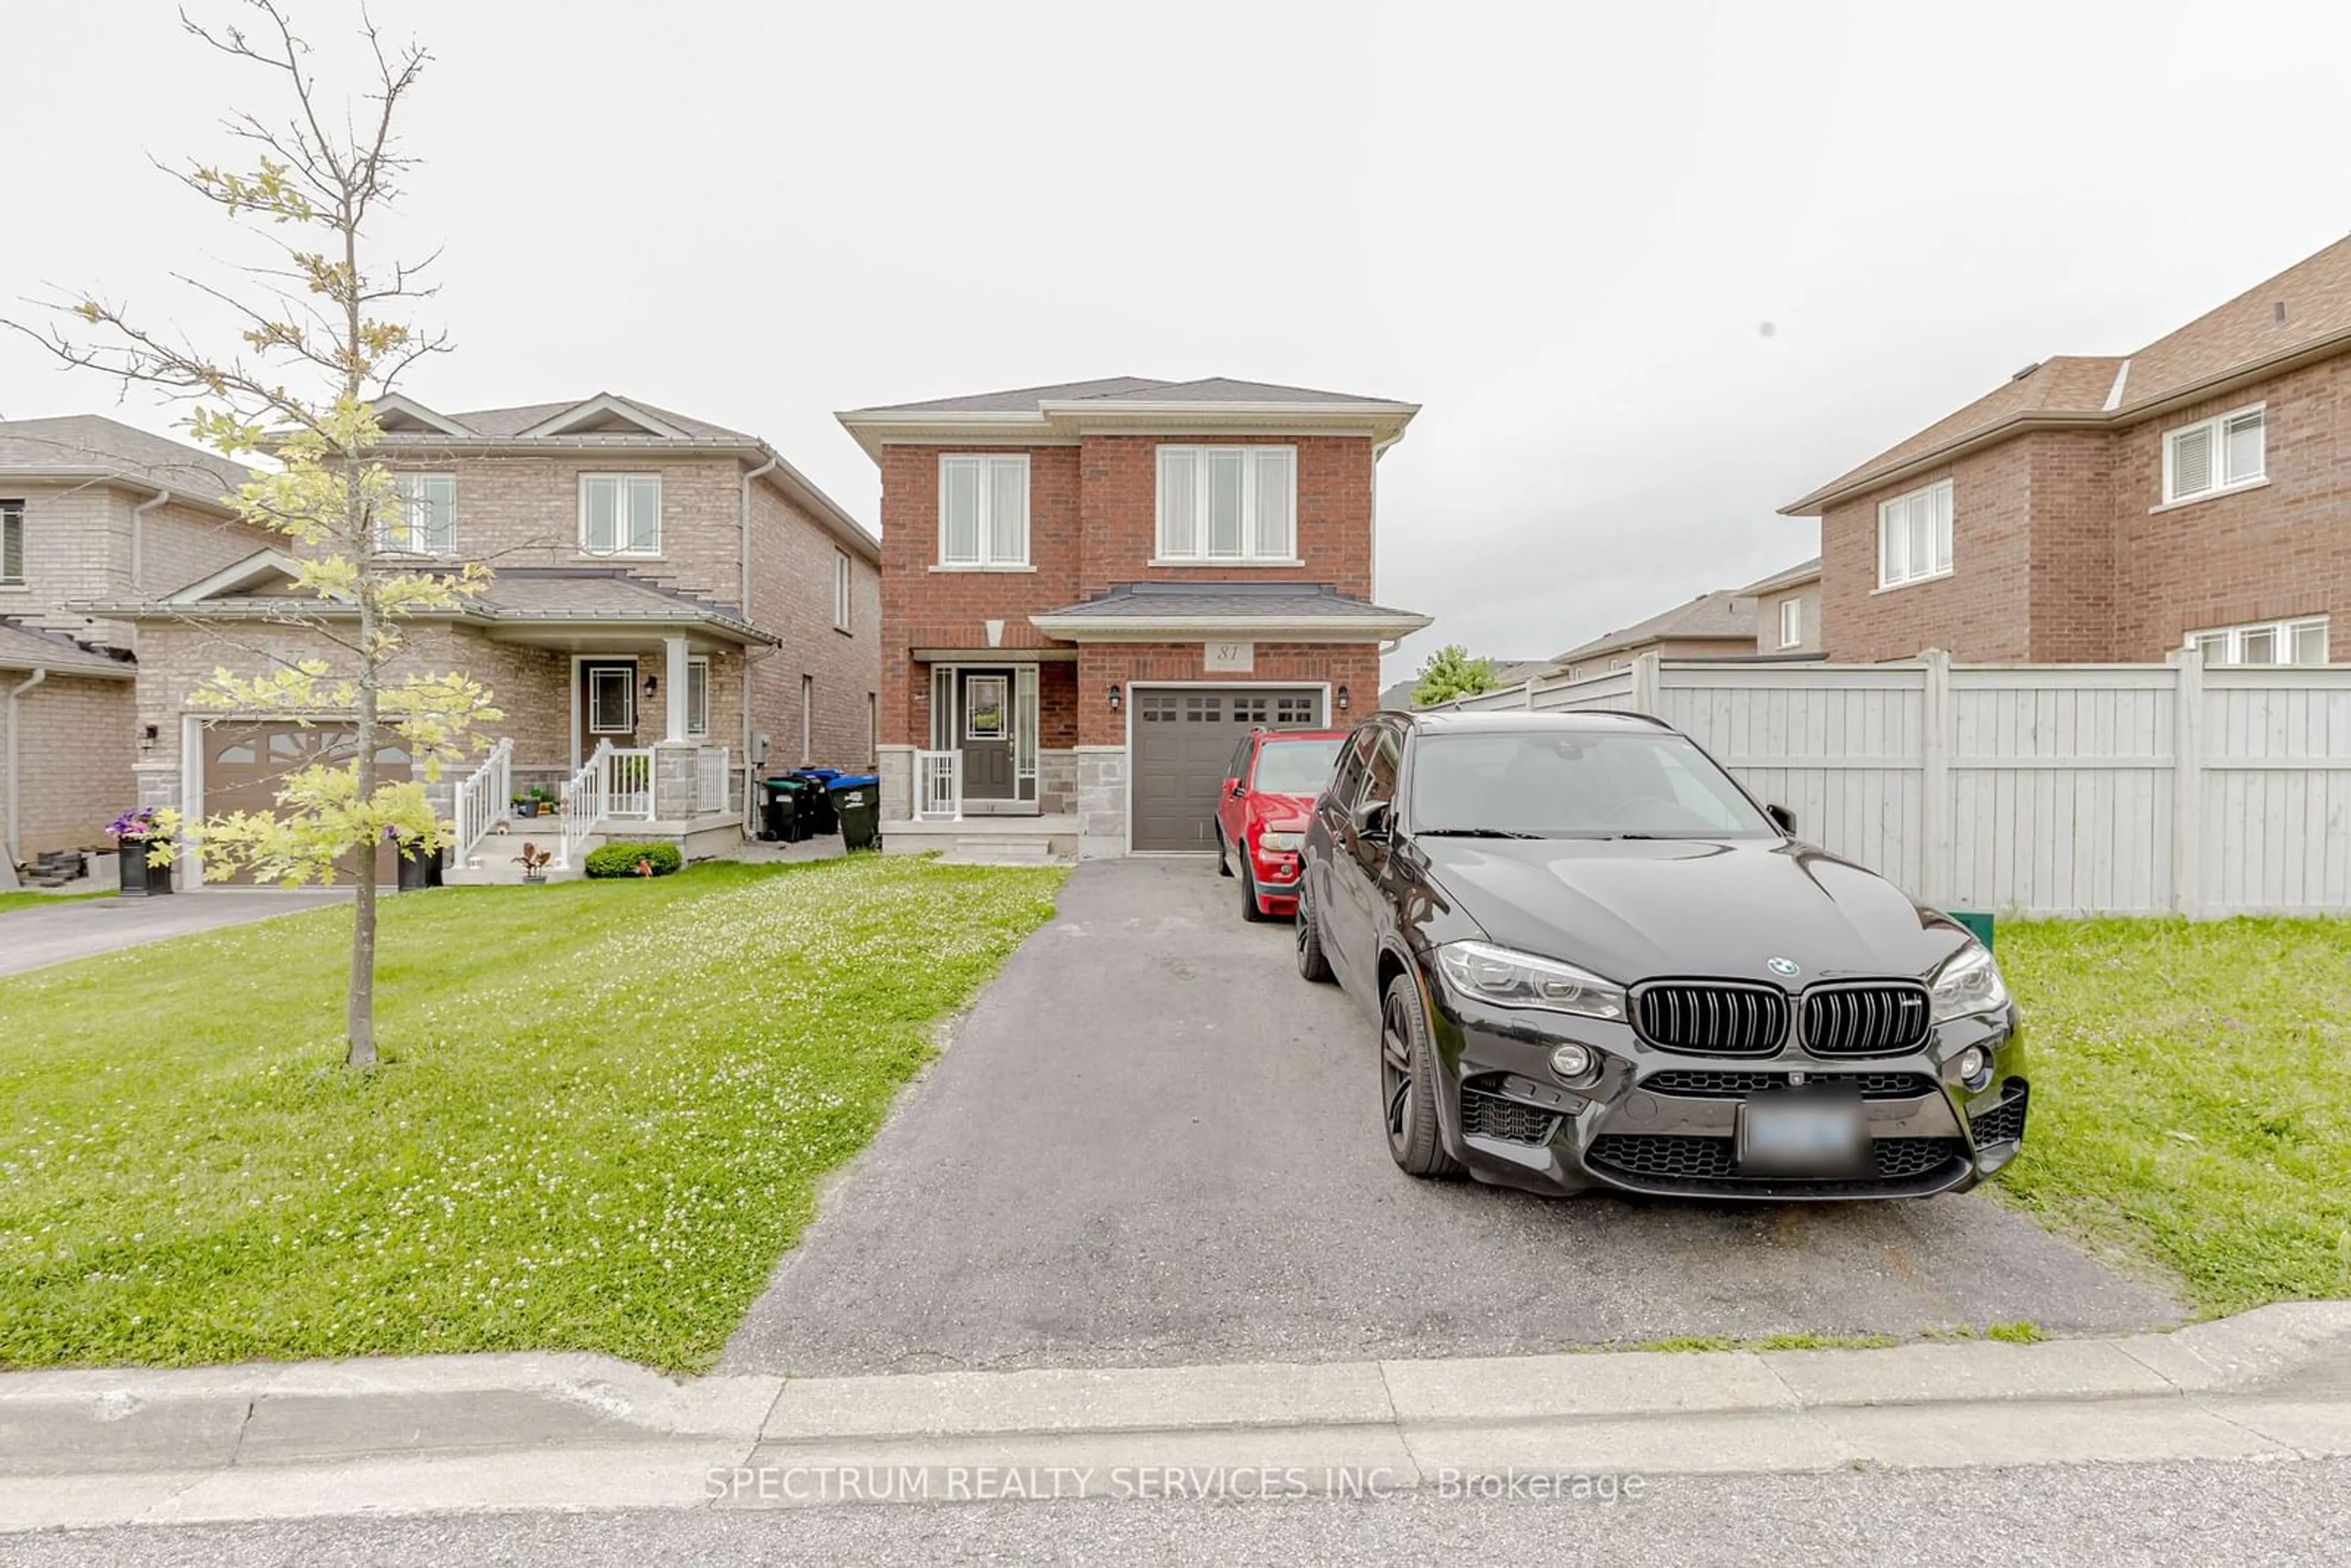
{"points": [[1184, 737], [246, 765]]}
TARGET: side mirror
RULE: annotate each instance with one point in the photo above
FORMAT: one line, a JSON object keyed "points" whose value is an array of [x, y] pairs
{"points": [[1236, 790], [1372, 819], [1782, 818]]}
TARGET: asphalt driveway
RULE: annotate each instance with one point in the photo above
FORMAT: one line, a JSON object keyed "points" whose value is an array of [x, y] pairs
{"points": [[36, 936], [1151, 1144]]}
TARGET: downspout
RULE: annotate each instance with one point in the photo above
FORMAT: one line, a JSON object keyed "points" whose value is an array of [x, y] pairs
{"points": [[139, 538], [749, 809], [16, 727]]}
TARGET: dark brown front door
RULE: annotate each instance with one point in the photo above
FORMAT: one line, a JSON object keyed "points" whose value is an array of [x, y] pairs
{"points": [[246, 765], [983, 720]]}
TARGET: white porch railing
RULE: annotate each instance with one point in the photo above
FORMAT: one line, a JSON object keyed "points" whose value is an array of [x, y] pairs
{"points": [[628, 783], [710, 780], [587, 796], [483, 800], [938, 785]]}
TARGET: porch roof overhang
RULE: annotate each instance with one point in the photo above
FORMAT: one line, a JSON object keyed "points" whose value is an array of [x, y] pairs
{"points": [[1240, 611]]}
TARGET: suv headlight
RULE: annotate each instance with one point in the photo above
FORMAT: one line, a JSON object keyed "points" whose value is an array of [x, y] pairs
{"points": [[1498, 975], [1280, 843], [1969, 983]]}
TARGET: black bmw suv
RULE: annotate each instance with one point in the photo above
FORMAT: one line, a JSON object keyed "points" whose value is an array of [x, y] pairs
{"points": [[1596, 962]]}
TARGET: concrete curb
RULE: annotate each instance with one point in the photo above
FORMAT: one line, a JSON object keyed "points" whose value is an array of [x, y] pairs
{"points": [[433, 1434]]}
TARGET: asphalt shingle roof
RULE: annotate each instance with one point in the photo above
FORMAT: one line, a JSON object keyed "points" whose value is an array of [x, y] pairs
{"points": [[497, 421], [25, 647], [1125, 390], [1724, 614], [93, 442], [1286, 601], [2302, 307]]}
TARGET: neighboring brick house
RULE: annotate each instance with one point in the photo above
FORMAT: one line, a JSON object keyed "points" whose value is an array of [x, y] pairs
{"points": [[1091, 590], [2102, 509], [1716, 625], [1786, 610], [672, 606], [89, 508]]}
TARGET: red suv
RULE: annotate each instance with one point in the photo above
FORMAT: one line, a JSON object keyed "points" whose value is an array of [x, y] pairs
{"points": [[1262, 812]]}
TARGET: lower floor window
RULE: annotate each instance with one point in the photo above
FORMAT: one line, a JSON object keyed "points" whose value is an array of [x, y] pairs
{"points": [[2302, 642]]}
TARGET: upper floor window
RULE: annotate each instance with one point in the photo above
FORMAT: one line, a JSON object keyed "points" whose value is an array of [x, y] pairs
{"points": [[983, 511], [12, 541], [424, 520], [1229, 504], [843, 579], [620, 514], [2215, 455], [1914, 536], [2300, 642], [1791, 623]]}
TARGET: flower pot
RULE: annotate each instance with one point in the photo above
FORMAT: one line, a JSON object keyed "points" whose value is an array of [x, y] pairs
{"points": [[419, 870], [140, 880], [526, 809]]}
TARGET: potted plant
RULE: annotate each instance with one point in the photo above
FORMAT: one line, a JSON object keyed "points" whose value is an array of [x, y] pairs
{"points": [[420, 868], [533, 861], [525, 805], [546, 800], [137, 832]]}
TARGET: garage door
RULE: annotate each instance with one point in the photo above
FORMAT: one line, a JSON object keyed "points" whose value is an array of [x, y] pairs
{"points": [[246, 765], [1184, 737]]}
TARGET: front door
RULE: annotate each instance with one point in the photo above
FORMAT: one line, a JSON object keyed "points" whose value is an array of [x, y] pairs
{"points": [[608, 705], [984, 718]]}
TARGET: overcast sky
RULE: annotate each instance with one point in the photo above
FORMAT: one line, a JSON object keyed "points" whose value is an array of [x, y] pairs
{"points": [[1652, 271]]}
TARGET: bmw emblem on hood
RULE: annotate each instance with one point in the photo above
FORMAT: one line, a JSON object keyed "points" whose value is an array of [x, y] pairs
{"points": [[1786, 968]]}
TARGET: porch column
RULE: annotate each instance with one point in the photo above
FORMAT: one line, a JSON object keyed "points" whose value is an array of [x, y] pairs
{"points": [[673, 683]]}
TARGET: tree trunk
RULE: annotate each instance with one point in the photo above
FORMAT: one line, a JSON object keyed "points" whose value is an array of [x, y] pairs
{"points": [[359, 1009]]}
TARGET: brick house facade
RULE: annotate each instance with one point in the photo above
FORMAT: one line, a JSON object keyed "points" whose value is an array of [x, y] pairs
{"points": [[661, 587], [2114, 509], [89, 508], [1146, 526]]}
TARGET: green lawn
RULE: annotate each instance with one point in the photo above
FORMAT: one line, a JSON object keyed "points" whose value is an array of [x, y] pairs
{"points": [[603, 1114], [29, 897], [2192, 1097]]}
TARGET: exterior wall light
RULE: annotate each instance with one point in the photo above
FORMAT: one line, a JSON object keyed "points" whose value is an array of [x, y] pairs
{"points": [[1114, 696], [1343, 699]]}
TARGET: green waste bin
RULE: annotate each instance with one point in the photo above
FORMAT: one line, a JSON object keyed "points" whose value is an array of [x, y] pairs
{"points": [[1977, 921], [857, 801], [783, 813]]}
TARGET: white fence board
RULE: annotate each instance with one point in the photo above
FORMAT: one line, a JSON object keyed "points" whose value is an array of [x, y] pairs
{"points": [[2033, 789]]}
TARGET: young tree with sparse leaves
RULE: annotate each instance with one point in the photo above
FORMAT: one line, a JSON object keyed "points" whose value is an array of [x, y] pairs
{"points": [[299, 385], [1451, 673]]}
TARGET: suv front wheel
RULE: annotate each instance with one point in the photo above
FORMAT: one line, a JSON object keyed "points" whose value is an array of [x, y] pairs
{"points": [[1410, 1082]]}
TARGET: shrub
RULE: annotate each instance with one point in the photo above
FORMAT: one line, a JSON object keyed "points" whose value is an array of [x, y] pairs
{"points": [[621, 860]]}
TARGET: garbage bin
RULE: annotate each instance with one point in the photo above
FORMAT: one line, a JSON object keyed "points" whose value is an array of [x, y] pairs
{"points": [[783, 812], [1978, 922], [817, 816], [857, 801], [419, 870]]}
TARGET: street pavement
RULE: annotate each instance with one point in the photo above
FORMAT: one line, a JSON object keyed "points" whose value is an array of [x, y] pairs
{"points": [[34, 937], [2203, 1513], [1151, 1143]]}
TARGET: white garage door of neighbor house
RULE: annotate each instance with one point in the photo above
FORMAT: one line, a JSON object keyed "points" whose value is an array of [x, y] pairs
{"points": [[1184, 736]]}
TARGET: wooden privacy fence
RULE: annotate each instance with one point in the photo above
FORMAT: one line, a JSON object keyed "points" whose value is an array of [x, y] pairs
{"points": [[2054, 790]]}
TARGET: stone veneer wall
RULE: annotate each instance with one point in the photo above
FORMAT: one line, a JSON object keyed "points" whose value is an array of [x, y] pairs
{"points": [[1101, 801]]}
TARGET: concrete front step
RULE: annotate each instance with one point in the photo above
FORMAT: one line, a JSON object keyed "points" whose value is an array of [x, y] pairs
{"points": [[987, 840]]}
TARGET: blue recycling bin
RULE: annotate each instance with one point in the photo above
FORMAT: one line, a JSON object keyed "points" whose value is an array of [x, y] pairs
{"points": [[857, 801]]}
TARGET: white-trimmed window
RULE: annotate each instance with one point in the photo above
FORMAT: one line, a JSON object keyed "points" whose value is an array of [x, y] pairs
{"points": [[424, 516], [2224, 453], [620, 514], [1791, 623], [1914, 536], [983, 512], [12, 541], [2300, 642], [612, 699], [844, 579], [1229, 504], [697, 697]]}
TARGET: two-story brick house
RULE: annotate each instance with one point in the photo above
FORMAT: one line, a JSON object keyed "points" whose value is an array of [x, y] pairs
{"points": [[1090, 590], [674, 608], [2194, 493], [89, 508]]}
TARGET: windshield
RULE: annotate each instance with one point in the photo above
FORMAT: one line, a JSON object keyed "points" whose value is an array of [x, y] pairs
{"points": [[1577, 784], [1295, 767]]}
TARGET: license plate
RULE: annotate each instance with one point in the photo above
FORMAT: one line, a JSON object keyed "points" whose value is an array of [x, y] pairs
{"points": [[1804, 1133]]}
